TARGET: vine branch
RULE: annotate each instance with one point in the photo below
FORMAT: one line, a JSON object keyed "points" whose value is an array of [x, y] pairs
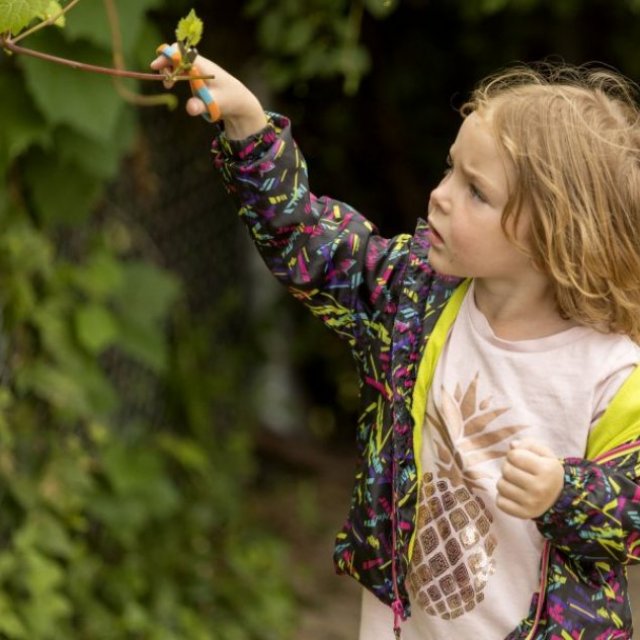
{"points": [[125, 93], [9, 44]]}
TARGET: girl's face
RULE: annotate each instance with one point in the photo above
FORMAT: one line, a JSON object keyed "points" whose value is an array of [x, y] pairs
{"points": [[465, 210]]}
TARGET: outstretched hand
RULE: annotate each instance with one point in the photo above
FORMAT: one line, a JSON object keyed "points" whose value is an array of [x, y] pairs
{"points": [[242, 112], [532, 479]]}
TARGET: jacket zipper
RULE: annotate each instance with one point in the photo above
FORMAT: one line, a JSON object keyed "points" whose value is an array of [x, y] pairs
{"points": [[397, 606], [542, 592]]}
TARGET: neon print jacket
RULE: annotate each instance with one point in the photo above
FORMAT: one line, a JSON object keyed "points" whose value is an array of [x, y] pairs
{"points": [[383, 298]]}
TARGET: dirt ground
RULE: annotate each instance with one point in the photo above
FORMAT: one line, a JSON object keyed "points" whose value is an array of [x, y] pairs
{"points": [[312, 487], [316, 491], [331, 603]]}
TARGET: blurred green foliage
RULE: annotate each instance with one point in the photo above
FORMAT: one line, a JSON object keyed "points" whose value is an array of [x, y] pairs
{"points": [[111, 528], [115, 529]]}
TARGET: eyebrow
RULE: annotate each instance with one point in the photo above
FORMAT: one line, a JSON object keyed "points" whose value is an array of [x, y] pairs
{"points": [[474, 175]]}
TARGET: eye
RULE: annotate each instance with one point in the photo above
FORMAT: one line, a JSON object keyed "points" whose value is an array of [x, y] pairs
{"points": [[476, 193], [449, 167]]}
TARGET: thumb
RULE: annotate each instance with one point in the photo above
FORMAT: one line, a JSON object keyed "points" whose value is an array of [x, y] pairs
{"points": [[195, 106], [534, 446]]}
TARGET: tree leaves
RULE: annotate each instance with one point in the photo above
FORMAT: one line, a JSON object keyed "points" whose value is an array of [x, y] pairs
{"points": [[315, 39], [61, 192], [15, 15], [143, 301], [53, 9], [88, 22], [84, 101], [28, 126], [83, 483], [96, 327]]}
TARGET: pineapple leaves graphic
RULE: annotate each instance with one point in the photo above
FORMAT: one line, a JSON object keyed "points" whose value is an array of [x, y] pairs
{"points": [[453, 553]]}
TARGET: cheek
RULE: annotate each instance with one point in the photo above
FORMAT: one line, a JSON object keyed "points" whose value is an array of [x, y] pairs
{"points": [[464, 236]]}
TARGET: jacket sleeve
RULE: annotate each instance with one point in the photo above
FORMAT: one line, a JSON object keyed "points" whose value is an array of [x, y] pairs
{"points": [[597, 515], [328, 255]]}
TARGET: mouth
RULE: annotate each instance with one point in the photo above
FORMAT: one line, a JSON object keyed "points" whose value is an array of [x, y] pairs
{"points": [[434, 236]]}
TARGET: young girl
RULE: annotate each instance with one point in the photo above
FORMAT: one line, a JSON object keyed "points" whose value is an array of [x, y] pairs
{"points": [[499, 438]]}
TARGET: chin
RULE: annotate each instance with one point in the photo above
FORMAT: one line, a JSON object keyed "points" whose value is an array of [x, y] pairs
{"points": [[440, 266]]}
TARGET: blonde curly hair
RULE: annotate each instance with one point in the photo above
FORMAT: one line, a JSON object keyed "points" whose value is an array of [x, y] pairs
{"points": [[572, 134]]}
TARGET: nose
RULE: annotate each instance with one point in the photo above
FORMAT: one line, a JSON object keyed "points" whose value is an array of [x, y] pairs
{"points": [[439, 197]]}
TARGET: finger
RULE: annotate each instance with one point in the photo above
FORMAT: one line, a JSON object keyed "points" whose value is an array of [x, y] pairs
{"points": [[195, 107], [510, 491], [160, 63], [522, 497], [516, 476], [163, 65], [535, 447], [525, 460], [511, 508], [167, 59]]}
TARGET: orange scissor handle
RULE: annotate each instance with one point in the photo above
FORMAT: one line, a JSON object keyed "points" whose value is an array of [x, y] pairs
{"points": [[198, 86]]}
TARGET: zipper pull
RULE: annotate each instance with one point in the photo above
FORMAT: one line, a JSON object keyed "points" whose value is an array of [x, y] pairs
{"points": [[398, 611]]}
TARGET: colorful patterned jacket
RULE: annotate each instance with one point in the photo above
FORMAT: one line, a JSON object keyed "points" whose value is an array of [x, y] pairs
{"points": [[383, 298]]}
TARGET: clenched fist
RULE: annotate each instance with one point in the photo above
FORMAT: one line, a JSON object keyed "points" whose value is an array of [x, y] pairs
{"points": [[532, 479]]}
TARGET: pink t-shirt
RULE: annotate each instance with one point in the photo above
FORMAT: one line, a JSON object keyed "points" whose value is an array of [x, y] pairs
{"points": [[474, 568]]}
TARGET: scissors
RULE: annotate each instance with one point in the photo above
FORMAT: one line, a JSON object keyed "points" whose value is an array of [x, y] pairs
{"points": [[176, 54]]}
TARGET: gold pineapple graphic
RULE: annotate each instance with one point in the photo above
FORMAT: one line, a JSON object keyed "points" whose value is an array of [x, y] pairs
{"points": [[454, 547]]}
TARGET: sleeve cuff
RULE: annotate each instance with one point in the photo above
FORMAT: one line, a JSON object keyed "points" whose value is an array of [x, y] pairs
{"points": [[254, 147], [577, 477]]}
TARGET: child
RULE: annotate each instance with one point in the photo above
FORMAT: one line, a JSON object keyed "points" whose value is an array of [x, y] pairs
{"points": [[499, 438]]}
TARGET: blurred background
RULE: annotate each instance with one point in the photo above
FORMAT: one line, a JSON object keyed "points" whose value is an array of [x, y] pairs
{"points": [[176, 435]]}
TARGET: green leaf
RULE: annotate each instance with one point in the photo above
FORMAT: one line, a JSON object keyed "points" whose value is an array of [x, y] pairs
{"points": [[42, 579], [96, 157], [15, 15], [45, 533], [88, 21], [84, 101], [10, 624], [50, 319], [140, 490], [187, 452], [19, 296], [147, 293], [58, 387], [141, 307], [77, 389], [101, 277], [54, 9], [74, 382], [190, 29], [66, 485], [95, 327], [146, 344], [25, 250], [28, 127], [61, 192]]}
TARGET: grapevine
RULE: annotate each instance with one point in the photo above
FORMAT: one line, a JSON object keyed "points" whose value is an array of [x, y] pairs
{"points": [[13, 29]]}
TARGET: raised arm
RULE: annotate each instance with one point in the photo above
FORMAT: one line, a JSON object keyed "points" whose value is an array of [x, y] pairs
{"points": [[330, 256], [241, 110]]}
